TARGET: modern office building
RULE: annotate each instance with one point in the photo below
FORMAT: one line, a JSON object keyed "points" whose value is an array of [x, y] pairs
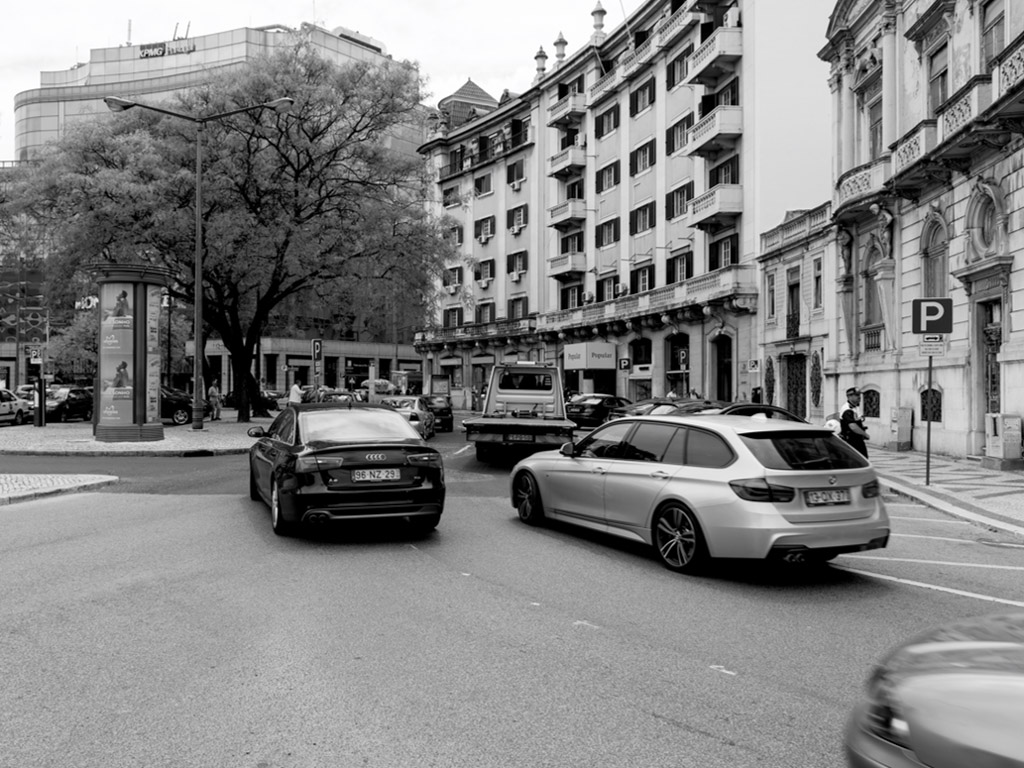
{"points": [[608, 213], [928, 119]]}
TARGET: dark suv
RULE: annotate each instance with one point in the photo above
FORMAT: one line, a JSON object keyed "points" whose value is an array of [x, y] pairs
{"points": [[66, 403], [441, 407]]}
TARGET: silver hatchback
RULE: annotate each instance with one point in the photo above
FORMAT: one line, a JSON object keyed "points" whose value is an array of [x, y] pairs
{"points": [[700, 487]]}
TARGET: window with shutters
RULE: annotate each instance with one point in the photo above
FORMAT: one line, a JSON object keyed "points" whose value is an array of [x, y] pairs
{"points": [[452, 317], [484, 270], [516, 171], [641, 279], [993, 33], [516, 218], [450, 196], [571, 243], [576, 85], [485, 312], [607, 233], [675, 137], [517, 308], [641, 98], [679, 267], [725, 173], [677, 69], [641, 219], [817, 283], [608, 177], [938, 78], [641, 158], [570, 297], [574, 190], [607, 122], [677, 200], [516, 262], [455, 235], [484, 228], [606, 288], [769, 295], [729, 95], [454, 276], [723, 252], [482, 185], [876, 147]]}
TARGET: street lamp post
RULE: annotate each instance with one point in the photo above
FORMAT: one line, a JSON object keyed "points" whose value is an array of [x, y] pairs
{"points": [[117, 104]]}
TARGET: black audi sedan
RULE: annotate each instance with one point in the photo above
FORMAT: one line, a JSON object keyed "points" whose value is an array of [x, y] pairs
{"points": [[327, 462]]}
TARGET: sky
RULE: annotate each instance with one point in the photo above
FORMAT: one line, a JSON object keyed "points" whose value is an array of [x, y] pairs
{"points": [[452, 40]]}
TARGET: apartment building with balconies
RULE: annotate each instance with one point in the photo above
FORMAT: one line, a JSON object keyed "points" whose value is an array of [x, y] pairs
{"points": [[929, 142], [643, 185]]}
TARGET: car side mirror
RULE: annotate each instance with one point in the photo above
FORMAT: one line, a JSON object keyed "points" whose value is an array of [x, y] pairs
{"points": [[567, 449], [256, 432]]}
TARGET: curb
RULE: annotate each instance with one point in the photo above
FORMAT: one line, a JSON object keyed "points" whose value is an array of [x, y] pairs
{"points": [[952, 506], [17, 497], [169, 452]]}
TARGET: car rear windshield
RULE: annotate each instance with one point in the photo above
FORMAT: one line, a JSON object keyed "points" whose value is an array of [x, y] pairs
{"points": [[588, 401], [802, 450], [354, 425]]}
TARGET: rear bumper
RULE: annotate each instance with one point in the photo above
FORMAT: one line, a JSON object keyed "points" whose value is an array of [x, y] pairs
{"points": [[299, 507], [382, 512]]}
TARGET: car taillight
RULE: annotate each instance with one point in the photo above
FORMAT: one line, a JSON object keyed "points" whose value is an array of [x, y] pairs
{"points": [[424, 459], [318, 463], [759, 489], [871, 490]]}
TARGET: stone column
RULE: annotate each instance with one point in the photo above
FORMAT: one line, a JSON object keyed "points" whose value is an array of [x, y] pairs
{"points": [[890, 68], [848, 118]]}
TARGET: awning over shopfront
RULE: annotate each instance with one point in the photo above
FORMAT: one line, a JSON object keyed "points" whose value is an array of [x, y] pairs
{"points": [[590, 355]]}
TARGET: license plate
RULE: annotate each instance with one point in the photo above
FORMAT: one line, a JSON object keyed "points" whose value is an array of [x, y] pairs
{"points": [[520, 438], [826, 497], [375, 475]]}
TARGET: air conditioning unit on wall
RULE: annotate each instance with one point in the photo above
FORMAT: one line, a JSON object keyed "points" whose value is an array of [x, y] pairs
{"points": [[588, 297], [452, 289], [621, 289], [516, 185], [515, 276]]}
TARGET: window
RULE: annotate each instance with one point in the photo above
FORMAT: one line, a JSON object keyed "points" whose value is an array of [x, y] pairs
{"points": [[516, 218], [572, 243], [450, 196], [675, 137], [871, 406], [679, 267], [484, 270], [455, 235], [575, 85], [641, 219], [516, 262], [729, 96], [725, 173], [722, 253], [704, 449], [875, 146], [872, 306], [993, 35], [483, 229], [935, 263], [485, 312], [641, 351], [648, 442], [607, 122], [931, 405], [604, 443], [817, 284], [677, 200], [574, 190], [938, 78], [570, 297], [677, 68], [607, 233], [517, 308], [641, 158], [452, 317], [454, 276], [606, 288], [641, 279], [482, 185], [769, 293], [641, 98], [515, 171], [608, 177]]}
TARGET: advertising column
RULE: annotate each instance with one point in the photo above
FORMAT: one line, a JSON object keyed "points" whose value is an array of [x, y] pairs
{"points": [[117, 355]]}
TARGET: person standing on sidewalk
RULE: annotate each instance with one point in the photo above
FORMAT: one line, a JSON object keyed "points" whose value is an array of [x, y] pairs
{"points": [[851, 423], [213, 395], [295, 393]]}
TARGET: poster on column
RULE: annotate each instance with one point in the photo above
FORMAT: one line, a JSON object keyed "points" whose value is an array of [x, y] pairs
{"points": [[117, 354], [153, 303]]}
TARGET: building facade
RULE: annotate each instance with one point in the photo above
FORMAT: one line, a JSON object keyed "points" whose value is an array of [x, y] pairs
{"points": [[928, 132], [607, 213]]}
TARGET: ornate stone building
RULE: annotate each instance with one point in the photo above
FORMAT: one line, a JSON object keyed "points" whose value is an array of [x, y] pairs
{"points": [[929, 148]]}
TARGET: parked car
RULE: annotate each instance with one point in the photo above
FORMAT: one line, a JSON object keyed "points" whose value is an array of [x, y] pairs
{"points": [[321, 462], [67, 403], [592, 410], [176, 406], [950, 697], [268, 400], [748, 409], [651, 405], [14, 409], [416, 410], [701, 487], [441, 407]]}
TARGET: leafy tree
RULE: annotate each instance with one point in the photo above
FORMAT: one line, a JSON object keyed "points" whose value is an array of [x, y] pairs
{"points": [[312, 206]]}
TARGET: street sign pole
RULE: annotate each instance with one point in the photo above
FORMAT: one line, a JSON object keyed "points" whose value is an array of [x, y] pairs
{"points": [[931, 318], [928, 430]]}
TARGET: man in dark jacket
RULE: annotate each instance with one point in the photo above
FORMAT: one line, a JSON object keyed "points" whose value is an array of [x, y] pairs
{"points": [[851, 423]]}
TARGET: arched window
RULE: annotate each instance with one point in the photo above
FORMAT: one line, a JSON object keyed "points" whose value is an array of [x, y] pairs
{"points": [[935, 260]]}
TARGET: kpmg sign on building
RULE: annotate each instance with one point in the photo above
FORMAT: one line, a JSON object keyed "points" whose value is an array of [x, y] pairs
{"points": [[589, 355], [149, 50]]}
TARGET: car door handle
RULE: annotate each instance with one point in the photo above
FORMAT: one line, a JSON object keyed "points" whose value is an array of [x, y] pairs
{"points": [[599, 470], [661, 473]]}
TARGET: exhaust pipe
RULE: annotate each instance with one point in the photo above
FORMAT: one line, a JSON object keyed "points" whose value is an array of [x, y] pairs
{"points": [[795, 557]]}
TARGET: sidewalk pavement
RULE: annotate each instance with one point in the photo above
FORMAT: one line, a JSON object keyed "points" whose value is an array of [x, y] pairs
{"points": [[958, 487]]}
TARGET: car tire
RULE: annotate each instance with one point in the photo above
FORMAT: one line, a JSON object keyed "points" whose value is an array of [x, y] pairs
{"points": [[62, 417], [281, 526], [483, 452], [180, 416], [254, 491], [423, 525], [527, 499], [88, 415], [678, 540], [19, 419]]}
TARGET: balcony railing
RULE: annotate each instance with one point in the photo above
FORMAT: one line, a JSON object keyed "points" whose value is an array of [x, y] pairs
{"points": [[872, 338], [567, 161], [679, 23], [640, 56], [608, 81], [715, 57], [914, 146], [567, 213], [567, 109], [566, 263], [964, 107], [792, 325], [862, 181], [499, 148], [796, 228], [716, 131], [724, 201]]}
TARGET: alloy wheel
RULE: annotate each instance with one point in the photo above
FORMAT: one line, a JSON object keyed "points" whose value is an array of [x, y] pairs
{"points": [[677, 539]]}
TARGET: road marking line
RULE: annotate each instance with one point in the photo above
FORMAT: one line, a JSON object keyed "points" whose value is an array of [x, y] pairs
{"points": [[940, 562], [463, 449], [585, 624], [937, 588], [723, 670], [928, 520], [933, 538]]}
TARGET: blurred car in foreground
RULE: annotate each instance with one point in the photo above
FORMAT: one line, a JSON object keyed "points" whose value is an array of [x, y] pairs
{"points": [[747, 409], [441, 407], [701, 487], [176, 406], [592, 410], [320, 462], [66, 403], [951, 697], [416, 410], [14, 409]]}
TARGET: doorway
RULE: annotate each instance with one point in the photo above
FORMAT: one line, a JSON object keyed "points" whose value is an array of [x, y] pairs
{"points": [[722, 347], [796, 385]]}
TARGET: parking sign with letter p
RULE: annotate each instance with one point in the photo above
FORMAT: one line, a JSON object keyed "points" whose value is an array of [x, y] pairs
{"points": [[932, 315]]}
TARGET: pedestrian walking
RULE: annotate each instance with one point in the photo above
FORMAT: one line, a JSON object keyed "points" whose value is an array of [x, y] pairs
{"points": [[214, 397], [851, 423], [295, 393]]}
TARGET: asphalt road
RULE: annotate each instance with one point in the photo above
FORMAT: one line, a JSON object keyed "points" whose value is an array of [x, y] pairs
{"points": [[162, 629]]}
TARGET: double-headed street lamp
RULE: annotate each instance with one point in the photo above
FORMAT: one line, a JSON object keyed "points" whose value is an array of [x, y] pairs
{"points": [[282, 105]]}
